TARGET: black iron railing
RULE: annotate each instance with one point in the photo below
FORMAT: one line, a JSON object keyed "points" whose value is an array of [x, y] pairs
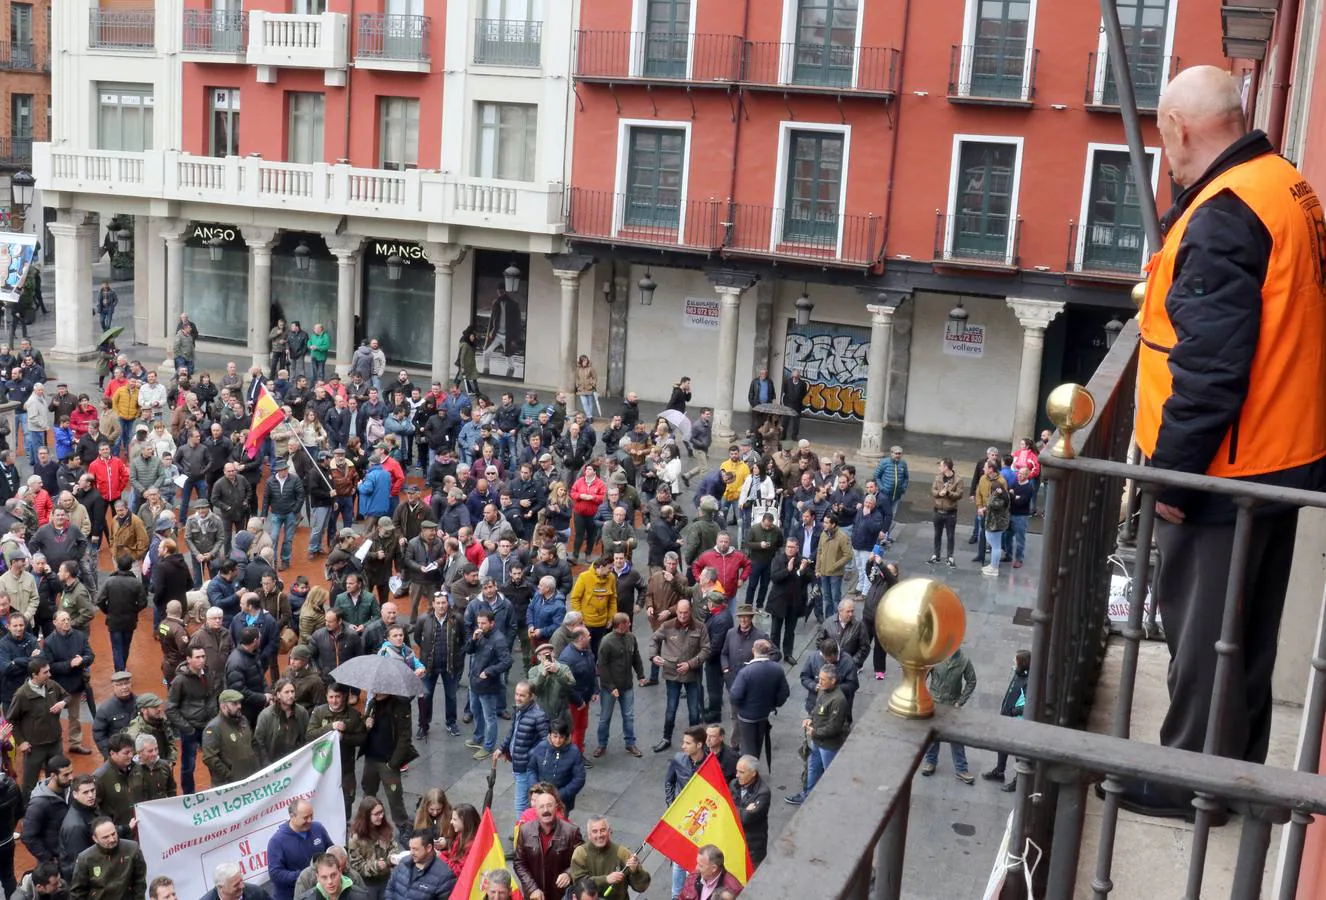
{"points": [[389, 36], [821, 67], [652, 56], [1110, 249], [993, 74], [977, 239], [16, 151], [820, 235], [1150, 73], [508, 42], [215, 31], [122, 29], [20, 55], [659, 220]]}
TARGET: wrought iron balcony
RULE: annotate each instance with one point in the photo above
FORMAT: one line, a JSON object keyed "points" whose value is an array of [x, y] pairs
{"points": [[1106, 251], [656, 221], [215, 33], [20, 55], [823, 236], [394, 42], [977, 240], [870, 781], [992, 75], [16, 151], [1150, 73], [122, 29], [821, 68], [693, 59], [508, 42]]}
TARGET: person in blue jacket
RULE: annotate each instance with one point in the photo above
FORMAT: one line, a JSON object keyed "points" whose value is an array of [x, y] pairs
{"points": [[423, 876], [547, 609], [891, 476], [529, 726], [375, 489], [292, 847], [560, 763]]}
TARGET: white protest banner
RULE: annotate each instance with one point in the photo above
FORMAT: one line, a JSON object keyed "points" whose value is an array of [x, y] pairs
{"points": [[187, 837]]}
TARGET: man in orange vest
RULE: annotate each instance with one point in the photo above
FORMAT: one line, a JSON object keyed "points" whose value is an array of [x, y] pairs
{"points": [[1231, 383]]}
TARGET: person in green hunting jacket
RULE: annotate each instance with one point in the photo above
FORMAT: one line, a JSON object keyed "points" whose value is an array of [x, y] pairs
{"points": [[951, 683]]}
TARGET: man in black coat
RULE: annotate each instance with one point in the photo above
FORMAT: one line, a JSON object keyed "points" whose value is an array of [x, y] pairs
{"points": [[794, 396], [827, 654], [16, 648], [762, 390], [759, 688], [751, 796], [245, 673], [46, 811], [121, 598], [71, 662]]}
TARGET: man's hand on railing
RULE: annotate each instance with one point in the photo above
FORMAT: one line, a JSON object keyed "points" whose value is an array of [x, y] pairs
{"points": [[1170, 513]]}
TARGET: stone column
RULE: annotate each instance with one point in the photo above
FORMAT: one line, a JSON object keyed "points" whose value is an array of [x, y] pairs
{"points": [[174, 235], [880, 365], [75, 334], [730, 286], [345, 247], [568, 269], [445, 258], [260, 241], [1034, 316]]}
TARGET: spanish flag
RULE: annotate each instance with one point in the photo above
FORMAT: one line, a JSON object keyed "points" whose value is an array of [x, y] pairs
{"points": [[485, 855], [703, 813], [267, 414]]}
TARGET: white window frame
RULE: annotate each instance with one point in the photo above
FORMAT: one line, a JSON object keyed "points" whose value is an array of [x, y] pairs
{"points": [[319, 153], [125, 94], [956, 163], [384, 102], [221, 99], [1080, 239], [1103, 53], [477, 144], [624, 127], [639, 20], [785, 129], [788, 39], [969, 20]]}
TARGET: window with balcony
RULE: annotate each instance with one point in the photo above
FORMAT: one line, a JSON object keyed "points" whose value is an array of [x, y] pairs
{"points": [[220, 28], [814, 186], [655, 161], [1113, 237], [124, 117], [507, 136], [998, 51], [398, 133], [20, 126], [825, 42], [20, 35], [509, 34], [304, 135], [308, 7], [984, 199], [1145, 25], [667, 38], [224, 139]]}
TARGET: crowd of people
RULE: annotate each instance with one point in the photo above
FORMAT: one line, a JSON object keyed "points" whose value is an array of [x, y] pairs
{"points": [[492, 546]]}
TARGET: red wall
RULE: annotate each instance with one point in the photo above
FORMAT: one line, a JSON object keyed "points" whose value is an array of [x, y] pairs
{"points": [[1055, 142], [263, 120]]}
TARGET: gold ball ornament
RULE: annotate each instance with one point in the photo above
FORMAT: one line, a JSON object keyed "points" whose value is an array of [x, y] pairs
{"points": [[1139, 294], [1071, 408], [920, 622]]}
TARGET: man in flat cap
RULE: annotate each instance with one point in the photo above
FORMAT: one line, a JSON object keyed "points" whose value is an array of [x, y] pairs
{"points": [[228, 750]]}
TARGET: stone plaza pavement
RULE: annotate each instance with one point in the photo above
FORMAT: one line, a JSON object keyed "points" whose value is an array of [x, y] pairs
{"points": [[954, 829]]}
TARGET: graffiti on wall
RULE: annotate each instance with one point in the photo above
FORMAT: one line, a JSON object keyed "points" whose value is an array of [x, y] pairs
{"points": [[834, 360]]}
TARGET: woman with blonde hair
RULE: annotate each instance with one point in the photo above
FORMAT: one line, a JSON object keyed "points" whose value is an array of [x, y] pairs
{"points": [[371, 843], [556, 511], [311, 433], [434, 814], [311, 614]]}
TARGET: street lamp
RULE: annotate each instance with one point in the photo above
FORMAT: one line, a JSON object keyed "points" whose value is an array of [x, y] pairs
{"points": [[511, 278], [957, 320], [1112, 329], [22, 186], [302, 254], [123, 240], [804, 307], [647, 287], [395, 265], [216, 248]]}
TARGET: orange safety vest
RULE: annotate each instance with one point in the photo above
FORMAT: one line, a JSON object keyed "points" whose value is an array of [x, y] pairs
{"points": [[1282, 423]]}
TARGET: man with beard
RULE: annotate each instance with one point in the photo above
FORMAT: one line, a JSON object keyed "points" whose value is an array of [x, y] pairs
{"points": [[337, 715], [191, 705], [228, 749], [282, 727]]}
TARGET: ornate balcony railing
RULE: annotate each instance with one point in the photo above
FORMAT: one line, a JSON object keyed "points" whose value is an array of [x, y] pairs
{"points": [[215, 31], [821, 68], [389, 37], [122, 29], [992, 74], [695, 59], [977, 240], [508, 42], [1150, 73]]}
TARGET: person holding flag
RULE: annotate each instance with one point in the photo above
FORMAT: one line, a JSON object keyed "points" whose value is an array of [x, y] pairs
{"points": [[267, 414], [485, 866], [608, 864]]}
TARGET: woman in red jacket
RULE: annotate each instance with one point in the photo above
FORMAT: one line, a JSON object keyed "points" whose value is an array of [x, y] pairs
{"points": [[587, 496]]}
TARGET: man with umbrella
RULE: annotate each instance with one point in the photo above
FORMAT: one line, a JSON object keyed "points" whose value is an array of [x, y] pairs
{"points": [[387, 748]]}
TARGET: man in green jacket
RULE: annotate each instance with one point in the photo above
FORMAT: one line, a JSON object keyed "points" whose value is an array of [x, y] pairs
{"points": [[763, 542], [952, 683], [111, 867], [827, 728], [319, 345]]}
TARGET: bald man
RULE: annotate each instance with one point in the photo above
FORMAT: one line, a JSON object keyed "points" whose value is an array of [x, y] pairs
{"points": [[1231, 383]]}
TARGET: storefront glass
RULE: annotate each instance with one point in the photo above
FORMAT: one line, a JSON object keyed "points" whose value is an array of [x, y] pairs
{"points": [[307, 296], [399, 313], [498, 317], [216, 294]]}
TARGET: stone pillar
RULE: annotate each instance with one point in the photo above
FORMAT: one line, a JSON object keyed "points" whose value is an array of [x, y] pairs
{"points": [[880, 364], [1034, 316], [730, 286], [260, 241], [568, 269], [345, 247], [174, 234], [75, 334], [445, 258]]}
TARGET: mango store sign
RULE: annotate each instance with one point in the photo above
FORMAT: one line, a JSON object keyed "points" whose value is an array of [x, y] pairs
{"points": [[188, 836], [700, 312], [969, 342]]}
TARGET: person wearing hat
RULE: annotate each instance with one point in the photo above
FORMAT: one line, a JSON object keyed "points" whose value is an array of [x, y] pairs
{"points": [[283, 501], [310, 690], [738, 649], [150, 719], [384, 555], [702, 534], [421, 561], [228, 749], [70, 655], [410, 514]]}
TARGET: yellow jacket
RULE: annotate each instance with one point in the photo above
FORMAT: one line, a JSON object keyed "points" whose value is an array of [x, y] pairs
{"points": [[125, 402], [740, 472], [595, 597]]}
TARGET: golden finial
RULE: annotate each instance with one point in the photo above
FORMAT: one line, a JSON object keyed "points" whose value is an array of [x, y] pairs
{"points": [[1139, 294], [920, 622], [1071, 408]]}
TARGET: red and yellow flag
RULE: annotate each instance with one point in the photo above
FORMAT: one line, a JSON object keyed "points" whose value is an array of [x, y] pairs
{"points": [[485, 855], [267, 414], [703, 813]]}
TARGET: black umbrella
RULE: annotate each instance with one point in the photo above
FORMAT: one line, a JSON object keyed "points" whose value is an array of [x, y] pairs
{"points": [[773, 409], [379, 675], [492, 780]]}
